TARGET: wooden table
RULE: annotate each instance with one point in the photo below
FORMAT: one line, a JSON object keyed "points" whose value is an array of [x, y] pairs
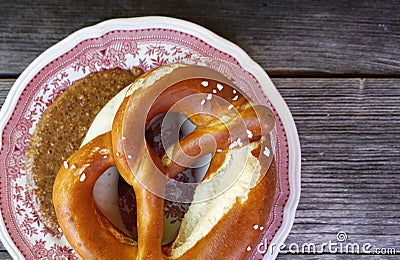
{"points": [[337, 65]]}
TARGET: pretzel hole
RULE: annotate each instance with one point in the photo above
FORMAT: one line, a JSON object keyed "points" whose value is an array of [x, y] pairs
{"points": [[167, 129], [173, 126], [107, 196]]}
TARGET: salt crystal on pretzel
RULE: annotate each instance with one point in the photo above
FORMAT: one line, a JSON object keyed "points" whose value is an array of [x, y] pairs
{"points": [[218, 211]]}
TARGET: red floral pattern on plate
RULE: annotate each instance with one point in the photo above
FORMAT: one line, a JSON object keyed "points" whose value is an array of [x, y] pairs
{"points": [[147, 48]]}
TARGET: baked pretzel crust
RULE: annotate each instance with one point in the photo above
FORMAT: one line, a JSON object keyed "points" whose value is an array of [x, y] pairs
{"points": [[228, 120]]}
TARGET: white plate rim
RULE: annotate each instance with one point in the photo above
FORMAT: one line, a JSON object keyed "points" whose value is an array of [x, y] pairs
{"points": [[200, 32]]}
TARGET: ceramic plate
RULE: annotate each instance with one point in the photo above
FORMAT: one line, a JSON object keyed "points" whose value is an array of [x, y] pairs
{"points": [[145, 42]]}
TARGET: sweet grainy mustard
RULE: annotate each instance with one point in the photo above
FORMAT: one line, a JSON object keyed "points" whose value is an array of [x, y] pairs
{"points": [[61, 131]]}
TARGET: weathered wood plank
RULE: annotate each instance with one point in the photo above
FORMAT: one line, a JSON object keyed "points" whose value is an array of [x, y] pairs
{"points": [[286, 37], [348, 132], [3, 251], [350, 160], [5, 255], [5, 86]]}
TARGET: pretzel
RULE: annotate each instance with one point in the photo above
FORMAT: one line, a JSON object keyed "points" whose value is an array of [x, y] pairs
{"points": [[228, 125]]}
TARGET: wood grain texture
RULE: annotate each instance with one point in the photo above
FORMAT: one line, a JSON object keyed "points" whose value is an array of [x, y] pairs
{"points": [[5, 86], [350, 179], [350, 161], [336, 64], [4, 256], [285, 37]]}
